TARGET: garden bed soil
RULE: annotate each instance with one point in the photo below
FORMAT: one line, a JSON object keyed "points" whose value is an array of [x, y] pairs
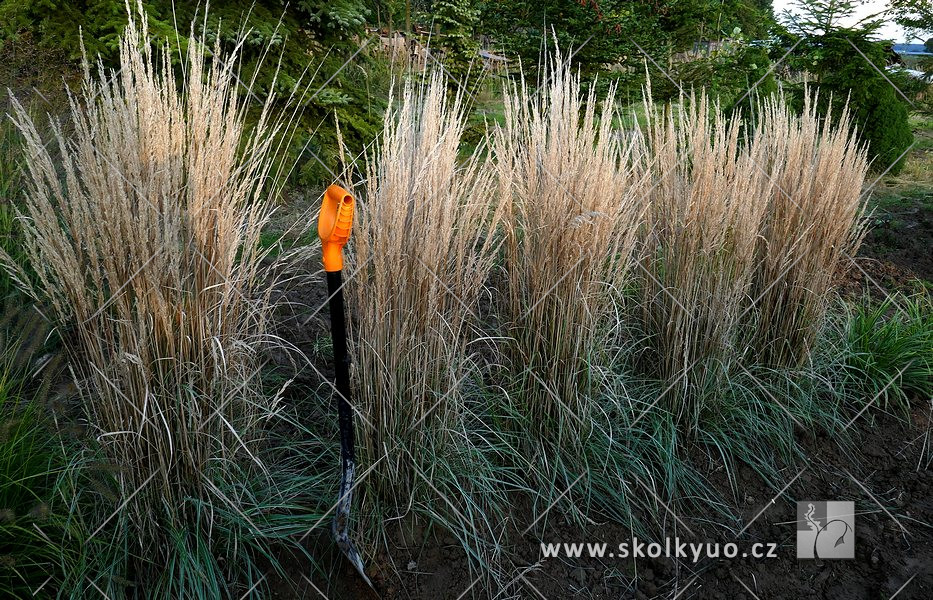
{"points": [[904, 238], [885, 471]]}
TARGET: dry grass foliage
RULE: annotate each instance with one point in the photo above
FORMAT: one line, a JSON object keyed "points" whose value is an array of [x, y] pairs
{"points": [[705, 208], [573, 192], [143, 232], [814, 221], [422, 249], [745, 231]]}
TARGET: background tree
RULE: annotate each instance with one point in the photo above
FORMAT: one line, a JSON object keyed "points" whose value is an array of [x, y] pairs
{"points": [[456, 20], [617, 34], [307, 35], [848, 62], [914, 15]]}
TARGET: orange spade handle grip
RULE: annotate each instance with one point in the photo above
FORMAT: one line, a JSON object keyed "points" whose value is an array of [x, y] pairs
{"points": [[333, 225]]}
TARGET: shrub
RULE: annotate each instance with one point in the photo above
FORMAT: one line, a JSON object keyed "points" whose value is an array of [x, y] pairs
{"points": [[852, 76], [314, 44], [147, 254], [728, 74], [456, 20]]}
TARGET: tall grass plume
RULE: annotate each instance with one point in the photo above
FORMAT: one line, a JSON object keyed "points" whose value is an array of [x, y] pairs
{"points": [[421, 255], [142, 230]]}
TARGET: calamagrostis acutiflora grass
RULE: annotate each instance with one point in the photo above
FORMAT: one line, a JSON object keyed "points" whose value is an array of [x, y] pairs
{"points": [[745, 230], [422, 250], [143, 232], [573, 190]]}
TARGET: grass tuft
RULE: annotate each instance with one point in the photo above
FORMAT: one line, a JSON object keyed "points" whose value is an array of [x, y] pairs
{"points": [[143, 229], [421, 254]]}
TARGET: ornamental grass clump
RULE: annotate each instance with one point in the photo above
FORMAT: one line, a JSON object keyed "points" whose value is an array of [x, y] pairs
{"points": [[573, 190], [420, 256], [705, 210], [142, 234], [745, 231], [813, 223]]}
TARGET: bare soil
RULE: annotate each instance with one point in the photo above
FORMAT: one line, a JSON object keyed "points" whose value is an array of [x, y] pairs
{"points": [[885, 472], [904, 237]]}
